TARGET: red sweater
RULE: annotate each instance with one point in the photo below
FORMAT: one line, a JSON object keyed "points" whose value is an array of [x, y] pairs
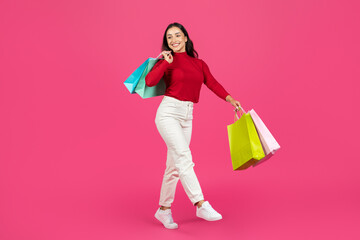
{"points": [[184, 78]]}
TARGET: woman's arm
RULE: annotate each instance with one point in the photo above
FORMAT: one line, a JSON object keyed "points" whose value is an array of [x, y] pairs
{"points": [[216, 87], [156, 73], [212, 84]]}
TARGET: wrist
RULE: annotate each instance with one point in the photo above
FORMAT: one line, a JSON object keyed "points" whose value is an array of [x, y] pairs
{"points": [[228, 98]]}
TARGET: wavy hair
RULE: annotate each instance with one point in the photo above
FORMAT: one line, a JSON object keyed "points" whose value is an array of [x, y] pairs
{"points": [[189, 45]]}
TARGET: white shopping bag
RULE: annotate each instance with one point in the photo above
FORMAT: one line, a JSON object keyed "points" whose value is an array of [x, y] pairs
{"points": [[268, 142]]}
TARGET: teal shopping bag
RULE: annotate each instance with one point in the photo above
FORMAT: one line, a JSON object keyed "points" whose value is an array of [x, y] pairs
{"points": [[135, 83], [134, 78], [145, 91]]}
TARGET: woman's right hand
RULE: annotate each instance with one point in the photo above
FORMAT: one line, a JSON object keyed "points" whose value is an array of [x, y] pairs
{"points": [[167, 55]]}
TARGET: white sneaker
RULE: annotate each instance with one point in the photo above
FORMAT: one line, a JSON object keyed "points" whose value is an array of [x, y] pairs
{"points": [[165, 217], [207, 212]]}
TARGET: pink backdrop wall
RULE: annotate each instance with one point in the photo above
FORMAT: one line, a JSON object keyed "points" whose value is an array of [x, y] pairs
{"points": [[80, 158]]}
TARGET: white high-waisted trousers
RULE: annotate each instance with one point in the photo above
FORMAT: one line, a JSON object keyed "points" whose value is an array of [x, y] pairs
{"points": [[174, 123]]}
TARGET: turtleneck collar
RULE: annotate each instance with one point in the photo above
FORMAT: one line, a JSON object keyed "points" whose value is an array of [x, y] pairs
{"points": [[180, 54]]}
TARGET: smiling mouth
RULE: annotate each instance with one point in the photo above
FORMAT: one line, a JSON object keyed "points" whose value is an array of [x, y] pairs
{"points": [[175, 45]]}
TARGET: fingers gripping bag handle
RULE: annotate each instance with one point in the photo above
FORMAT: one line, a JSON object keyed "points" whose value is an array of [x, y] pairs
{"points": [[236, 117], [159, 56]]}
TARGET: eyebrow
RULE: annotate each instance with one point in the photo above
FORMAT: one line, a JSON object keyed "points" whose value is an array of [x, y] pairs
{"points": [[175, 33]]}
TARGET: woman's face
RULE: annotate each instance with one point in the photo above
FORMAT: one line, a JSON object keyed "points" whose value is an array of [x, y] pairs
{"points": [[176, 39]]}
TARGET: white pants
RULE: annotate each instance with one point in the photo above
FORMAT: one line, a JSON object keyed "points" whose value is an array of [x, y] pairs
{"points": [[174, 123]]}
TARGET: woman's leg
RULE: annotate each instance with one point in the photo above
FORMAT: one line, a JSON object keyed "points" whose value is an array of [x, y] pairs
{"points": [[168, 186], [187, 129], [176, 135]]}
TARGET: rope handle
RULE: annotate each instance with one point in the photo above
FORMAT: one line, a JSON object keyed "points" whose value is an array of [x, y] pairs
{"points": [[236, 117], [159, 56]]}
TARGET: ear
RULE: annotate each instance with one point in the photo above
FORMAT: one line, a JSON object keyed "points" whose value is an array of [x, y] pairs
{"points": [[185, 39]]}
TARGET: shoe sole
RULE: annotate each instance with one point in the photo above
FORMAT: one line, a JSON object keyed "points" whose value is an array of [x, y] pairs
{"points": [[164, 224], [214, 219]]}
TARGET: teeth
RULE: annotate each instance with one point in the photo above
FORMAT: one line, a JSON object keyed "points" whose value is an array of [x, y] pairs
{"points": [[176, 44]]}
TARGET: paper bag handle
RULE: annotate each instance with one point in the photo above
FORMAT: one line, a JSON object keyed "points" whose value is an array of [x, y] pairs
{"points": [[236, 117], [159, 56]]}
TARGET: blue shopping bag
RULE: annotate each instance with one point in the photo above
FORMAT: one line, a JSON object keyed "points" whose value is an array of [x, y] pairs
{"points": [[134, 78], [145, 91], [140, 73]]}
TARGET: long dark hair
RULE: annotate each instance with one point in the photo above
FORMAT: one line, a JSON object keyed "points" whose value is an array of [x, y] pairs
{"points": [[189, 46]]}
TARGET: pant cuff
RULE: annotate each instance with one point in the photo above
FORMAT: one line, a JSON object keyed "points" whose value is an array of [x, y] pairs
{"points": [[197, 200], [165, 204]]}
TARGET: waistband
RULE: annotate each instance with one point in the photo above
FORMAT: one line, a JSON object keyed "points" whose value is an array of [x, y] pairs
{"points": [[171, 99]]}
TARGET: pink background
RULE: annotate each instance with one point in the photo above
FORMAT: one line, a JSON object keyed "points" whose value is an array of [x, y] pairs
{"points": [[81, 158]]}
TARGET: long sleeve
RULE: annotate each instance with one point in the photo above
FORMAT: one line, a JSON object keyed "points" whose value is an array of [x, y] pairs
{"points": [[156, 73], [212, 84]]}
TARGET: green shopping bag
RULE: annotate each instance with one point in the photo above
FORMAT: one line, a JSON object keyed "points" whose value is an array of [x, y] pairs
{"points": [[245, 145], [145, 91]]}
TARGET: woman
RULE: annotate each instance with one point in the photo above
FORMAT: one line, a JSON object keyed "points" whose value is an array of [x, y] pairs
{"points": [[183, 74]]}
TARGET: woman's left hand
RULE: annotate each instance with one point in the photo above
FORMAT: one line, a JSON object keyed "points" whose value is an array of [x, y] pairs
{"points": [[233, 102]]}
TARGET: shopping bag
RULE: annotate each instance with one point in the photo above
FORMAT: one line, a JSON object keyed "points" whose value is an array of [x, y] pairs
{"points": [[135, 83], [134, 78], [245, 145], [268, 142], [145, 91]]}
